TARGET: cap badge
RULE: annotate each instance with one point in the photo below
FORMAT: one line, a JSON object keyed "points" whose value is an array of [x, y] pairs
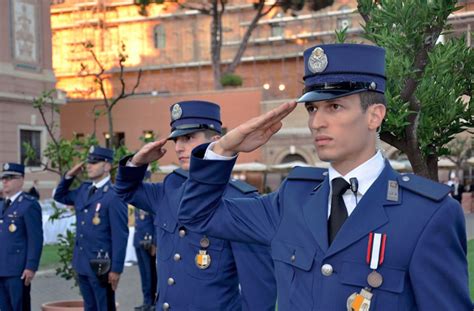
{"points": [[91, 149], [6, 167], [318, 61], [176, 112]]}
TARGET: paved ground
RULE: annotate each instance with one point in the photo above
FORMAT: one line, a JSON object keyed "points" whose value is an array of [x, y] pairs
{"points": [[49, 287]]}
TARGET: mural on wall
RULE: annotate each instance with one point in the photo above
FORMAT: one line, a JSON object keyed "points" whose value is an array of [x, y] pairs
{"points": [[25, 35]]}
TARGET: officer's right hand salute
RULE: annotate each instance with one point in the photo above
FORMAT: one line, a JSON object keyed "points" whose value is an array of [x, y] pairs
{"points": [[149, 153], [75, 170], [253, 133]]}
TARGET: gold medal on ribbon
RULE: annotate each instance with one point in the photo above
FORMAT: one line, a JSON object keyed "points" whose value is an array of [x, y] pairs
{"points": [[96, 219], [12, 228], [203, 260]]}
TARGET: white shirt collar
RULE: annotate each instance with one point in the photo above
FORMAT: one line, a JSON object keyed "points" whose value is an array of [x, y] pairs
{"points": [[102, 182], [14, 197], [366, 173]]}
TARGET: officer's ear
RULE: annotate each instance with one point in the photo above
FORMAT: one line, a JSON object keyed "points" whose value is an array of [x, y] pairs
{"points": [[215, 138], [107, 167], [375, 115]]}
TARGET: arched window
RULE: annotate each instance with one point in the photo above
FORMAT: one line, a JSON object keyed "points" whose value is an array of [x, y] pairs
{"points": [[293, 158], [159, 36]]}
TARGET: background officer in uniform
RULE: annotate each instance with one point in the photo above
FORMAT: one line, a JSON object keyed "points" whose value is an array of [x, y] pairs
{"points": [[102, 228], [21, 240], [196, 271], [358, 236], [145, 248]]}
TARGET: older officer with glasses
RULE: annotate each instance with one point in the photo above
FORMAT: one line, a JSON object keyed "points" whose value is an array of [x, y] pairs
{"points": [[21, 240]]}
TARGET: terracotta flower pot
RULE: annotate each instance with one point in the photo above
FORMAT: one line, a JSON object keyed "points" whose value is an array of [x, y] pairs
{"points": [[65, 305]]}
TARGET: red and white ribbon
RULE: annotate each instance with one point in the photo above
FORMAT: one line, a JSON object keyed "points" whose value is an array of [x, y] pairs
{"points": [[376, 250]]}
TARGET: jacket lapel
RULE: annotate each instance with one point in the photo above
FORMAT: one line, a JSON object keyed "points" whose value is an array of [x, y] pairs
{"points": [[315, 212], [368, 215]]}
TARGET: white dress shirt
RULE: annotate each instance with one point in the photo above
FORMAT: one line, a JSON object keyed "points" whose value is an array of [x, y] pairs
{"points": [[365, 173], [13, 197], [102, 182]]}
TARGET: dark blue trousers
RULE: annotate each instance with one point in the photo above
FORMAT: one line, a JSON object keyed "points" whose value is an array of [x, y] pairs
{"points": [[96, 297], [11, 293], [147, 267]]}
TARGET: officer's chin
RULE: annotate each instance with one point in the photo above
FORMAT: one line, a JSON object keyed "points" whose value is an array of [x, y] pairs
{"points": [[185, 165]]}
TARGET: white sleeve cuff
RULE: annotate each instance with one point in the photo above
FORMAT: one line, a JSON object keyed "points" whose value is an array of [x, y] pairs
{"points": [[211, 155], [129, 163]]}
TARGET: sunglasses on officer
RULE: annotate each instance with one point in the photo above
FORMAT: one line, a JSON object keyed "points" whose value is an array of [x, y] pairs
{"points": [[10, 177]]}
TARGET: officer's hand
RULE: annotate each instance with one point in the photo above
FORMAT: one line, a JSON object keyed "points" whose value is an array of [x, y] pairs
{"points": [[149, 153], [27, 276], [152, 250], [75, 170], [253, 133], [114, 278]]}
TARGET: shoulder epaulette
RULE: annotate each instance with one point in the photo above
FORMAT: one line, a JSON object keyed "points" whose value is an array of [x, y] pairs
{"points": [[243, 187], [181, 172], [29, 197], [423, 186], [308, 173]]}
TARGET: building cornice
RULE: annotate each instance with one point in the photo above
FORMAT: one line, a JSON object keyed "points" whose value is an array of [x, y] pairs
{"points": [[25, 98], [8, 69]]}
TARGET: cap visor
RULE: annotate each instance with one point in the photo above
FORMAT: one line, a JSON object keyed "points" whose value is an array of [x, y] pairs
{"points": [[10, 173], [177, 133], [315, 96], [94, 160]]}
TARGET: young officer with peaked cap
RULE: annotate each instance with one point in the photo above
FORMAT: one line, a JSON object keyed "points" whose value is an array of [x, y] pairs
{"points": [[359, 236], [196, 271], [21, 240], [101, 229]]}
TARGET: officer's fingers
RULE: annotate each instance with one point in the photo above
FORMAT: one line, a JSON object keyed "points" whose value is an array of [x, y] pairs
{"points": [[273, 116], [279, 113]]}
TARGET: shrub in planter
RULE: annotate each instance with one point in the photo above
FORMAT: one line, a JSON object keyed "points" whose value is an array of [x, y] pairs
{"points": [[231, 79]]}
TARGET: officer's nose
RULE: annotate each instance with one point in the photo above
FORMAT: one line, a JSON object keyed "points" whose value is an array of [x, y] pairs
{"points": [[317, 121], [179, 146]]}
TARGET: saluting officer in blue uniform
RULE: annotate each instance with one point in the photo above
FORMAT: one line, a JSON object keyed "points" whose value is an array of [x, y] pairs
{"points": [[145, 248], [196, 271], [101, 232], [21, 240], [359, 236]]}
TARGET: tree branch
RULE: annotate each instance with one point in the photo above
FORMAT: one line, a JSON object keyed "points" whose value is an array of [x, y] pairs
{"points": [[248, 33]]}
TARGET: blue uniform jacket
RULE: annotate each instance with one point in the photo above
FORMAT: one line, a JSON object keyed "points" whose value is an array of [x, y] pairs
{"points": [[144, 228], [425, 264], [181, 284], [21, 236], [109, 236]]}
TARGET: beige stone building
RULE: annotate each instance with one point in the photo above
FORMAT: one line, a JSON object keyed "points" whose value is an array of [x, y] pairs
{"points": [[25, 72]]}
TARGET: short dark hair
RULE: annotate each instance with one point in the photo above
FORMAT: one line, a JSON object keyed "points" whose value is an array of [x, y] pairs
{"points": [[210, 133], [370, 98]]}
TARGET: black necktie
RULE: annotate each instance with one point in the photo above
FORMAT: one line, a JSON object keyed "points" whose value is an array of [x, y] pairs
{"points": [[8, 202], [338, 208], [92, 190]]}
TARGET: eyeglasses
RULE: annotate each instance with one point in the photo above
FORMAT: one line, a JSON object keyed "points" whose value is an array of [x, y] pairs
{"points": [[10, 177]]}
